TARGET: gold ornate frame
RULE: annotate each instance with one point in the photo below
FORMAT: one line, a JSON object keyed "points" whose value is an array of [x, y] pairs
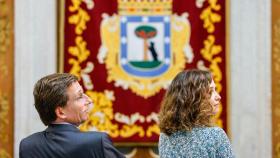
{"points": [[6, 78], [275, 75]]}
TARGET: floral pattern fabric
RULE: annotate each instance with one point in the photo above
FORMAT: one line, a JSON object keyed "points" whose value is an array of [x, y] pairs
{"points": [[204, 142]]}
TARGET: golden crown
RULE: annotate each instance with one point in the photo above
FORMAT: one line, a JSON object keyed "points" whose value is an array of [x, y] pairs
{"points": [[145, 7]]}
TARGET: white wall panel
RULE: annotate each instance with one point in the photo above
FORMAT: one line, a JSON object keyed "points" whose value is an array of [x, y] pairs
{"points": [[35, 56], [250, 57]]}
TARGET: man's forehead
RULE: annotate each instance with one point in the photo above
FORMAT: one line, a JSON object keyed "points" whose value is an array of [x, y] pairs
{"points": [[75, 87]]}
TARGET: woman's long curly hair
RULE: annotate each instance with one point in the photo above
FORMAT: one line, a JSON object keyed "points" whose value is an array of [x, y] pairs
{"points": [[186, 102]]}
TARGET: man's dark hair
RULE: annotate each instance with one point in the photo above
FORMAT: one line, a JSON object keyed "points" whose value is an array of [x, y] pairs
{"points": [[50, 92]]}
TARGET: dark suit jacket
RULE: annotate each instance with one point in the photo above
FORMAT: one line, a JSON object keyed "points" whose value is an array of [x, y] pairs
{"points": [[66, 141]]}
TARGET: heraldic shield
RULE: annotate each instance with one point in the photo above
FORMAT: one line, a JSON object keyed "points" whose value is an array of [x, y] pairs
{"points": [[144, 50]]}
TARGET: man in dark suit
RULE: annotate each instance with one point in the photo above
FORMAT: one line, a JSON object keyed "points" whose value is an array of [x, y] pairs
{"points": [[63, 106]]}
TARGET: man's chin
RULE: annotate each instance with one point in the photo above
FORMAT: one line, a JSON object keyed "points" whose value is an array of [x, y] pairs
{"points": [[84, 120], [81, 122]]}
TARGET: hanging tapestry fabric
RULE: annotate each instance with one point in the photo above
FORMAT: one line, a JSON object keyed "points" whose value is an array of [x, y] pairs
{"points": [[126, 53]]}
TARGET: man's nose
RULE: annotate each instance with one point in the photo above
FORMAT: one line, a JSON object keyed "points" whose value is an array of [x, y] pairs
{"points": [[88, 99]]}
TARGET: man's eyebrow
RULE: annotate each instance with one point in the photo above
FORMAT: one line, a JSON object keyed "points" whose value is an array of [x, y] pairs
{"points": [[80, 90]]}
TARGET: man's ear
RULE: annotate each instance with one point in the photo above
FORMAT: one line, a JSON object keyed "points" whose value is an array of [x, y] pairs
{"points": [[59, 111]]}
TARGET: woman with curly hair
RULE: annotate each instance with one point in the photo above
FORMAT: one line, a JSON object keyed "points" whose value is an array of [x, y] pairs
{"points": [[185, 119]]}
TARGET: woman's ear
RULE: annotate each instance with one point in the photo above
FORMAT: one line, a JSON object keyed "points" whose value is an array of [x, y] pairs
{"points": [[59, 111]]}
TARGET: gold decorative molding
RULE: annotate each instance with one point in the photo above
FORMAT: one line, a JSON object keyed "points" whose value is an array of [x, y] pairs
{"points": [[5, 34], [4, 154], [275, 72], [4, 109], [5, 27], [3, 71], [276, 89], [6, 78]]}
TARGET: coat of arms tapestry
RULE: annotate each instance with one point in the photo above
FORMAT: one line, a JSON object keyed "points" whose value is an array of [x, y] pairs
{"points": [[126, 53]]}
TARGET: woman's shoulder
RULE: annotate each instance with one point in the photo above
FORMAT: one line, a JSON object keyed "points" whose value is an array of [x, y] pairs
{"points": [[211, 134], [178, 134], [197, 130], [209, 130], [200, 140], [217, 131], [201, 133]]}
